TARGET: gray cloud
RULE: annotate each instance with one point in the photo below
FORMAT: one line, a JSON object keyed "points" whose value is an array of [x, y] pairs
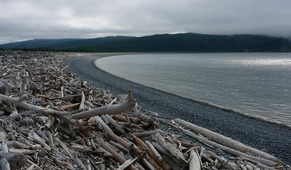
{"points": [[28, 19]]}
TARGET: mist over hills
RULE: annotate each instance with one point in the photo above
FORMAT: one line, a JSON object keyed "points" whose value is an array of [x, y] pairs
{"points": [[185, 42]]}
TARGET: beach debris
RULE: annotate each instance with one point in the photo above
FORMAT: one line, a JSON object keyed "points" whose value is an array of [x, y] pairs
{"points": [[51, 119]]}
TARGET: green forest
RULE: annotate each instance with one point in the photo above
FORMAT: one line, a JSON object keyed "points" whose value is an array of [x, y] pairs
{"points": [[186, 42]]}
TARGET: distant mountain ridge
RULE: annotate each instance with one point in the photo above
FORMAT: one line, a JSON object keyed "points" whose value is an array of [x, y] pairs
{"points": [[184, 42]]}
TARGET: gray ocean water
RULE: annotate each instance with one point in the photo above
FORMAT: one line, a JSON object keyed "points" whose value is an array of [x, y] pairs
{"points": [[256, 84]]}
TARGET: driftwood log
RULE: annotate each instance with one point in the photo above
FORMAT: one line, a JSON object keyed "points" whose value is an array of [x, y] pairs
{"points": [[225, 140], [128, 106]]}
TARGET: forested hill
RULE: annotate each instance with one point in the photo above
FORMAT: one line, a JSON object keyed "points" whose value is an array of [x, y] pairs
{"points": [[186, 42]]}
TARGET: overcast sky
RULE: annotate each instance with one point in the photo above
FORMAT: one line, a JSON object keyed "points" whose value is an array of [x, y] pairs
{"points": [[29, 19]]}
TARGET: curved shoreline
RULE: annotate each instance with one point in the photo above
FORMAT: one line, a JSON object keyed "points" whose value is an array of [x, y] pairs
{"points": [[199, 101], [269, 137]]}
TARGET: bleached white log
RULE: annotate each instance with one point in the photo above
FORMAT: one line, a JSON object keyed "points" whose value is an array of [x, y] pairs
{"points": [[170, 148], [126, 164], [194, 163], [128, 106], [33, 136], [80, 164], [226, 141], [82, 105], [155, 152], [22, 151], [229, 150]]}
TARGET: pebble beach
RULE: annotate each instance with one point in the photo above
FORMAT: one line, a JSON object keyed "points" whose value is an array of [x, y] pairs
{"points": [[270, 137]]}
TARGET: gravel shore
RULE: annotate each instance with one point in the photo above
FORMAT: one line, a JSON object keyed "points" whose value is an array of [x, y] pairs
{"points": [[270, 137]]}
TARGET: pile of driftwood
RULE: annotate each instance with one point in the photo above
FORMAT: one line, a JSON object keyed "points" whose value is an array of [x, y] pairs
{"points": [[51, 119]]}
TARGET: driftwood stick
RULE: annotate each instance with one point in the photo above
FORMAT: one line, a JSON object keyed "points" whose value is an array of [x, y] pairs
{"points": [[150, 157], [155, 152], [33, 165], [17, 144], [116, 156], [127, 106], [34, 137], [67, 165], [194, 163], [139, 166], [82, 105], [114, 123], [115, 138], [81, 147], [28, 106], [126, 164], [68, 151], [160, 149], [222, 160], [225, 140], [31, 146], [104, 152], [69, 106], [170, 148], [147, 164], [80, 164], [146, 133], [22, 151], [120, 147], [120, 118], [153, 162], [51, 140]]}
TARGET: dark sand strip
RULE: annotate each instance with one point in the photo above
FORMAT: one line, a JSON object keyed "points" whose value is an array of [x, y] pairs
{"points": [[266, 136]]}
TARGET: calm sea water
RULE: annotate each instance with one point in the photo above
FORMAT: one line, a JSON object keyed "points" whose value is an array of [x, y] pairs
{"points": [[257, 84]]}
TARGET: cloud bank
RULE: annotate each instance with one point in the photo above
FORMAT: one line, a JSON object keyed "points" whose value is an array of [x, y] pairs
{"points": [[29, 19]]}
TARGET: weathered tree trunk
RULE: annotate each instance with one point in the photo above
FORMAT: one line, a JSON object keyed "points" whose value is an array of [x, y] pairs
{"points": [[225, 140], [230, 150], [128, 106]]}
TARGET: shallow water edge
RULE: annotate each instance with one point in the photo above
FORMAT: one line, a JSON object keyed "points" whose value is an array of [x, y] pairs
{"points": [[225, 108]]}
